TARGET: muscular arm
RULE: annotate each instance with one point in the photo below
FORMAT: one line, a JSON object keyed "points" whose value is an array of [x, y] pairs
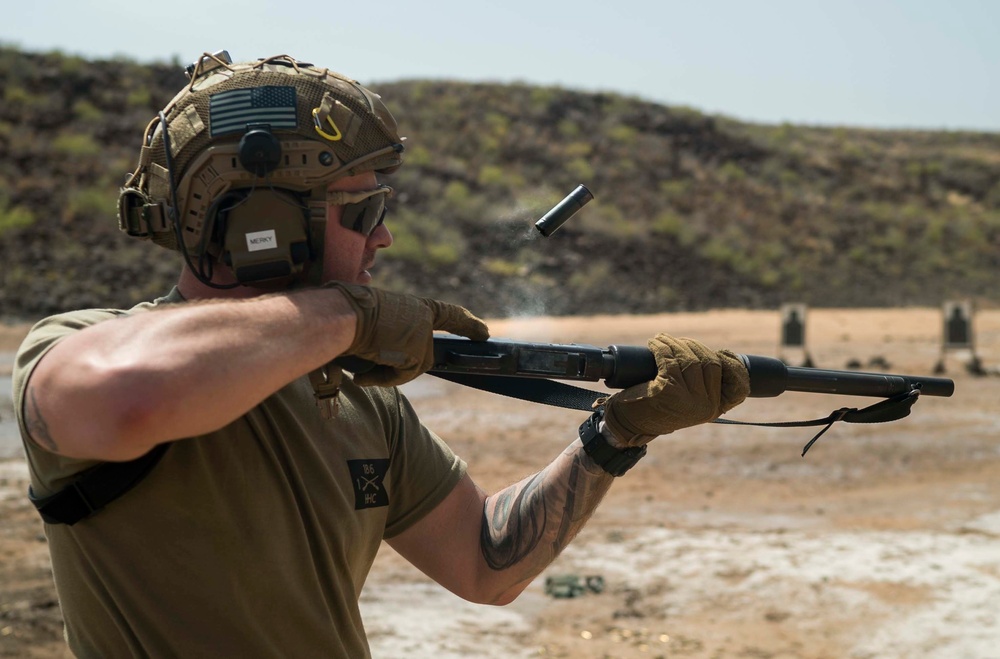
{"points": [[116, 389], [488, 549]]}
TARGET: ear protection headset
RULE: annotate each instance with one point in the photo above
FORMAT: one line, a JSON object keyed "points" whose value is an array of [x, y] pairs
{"points": [[263, 231]]}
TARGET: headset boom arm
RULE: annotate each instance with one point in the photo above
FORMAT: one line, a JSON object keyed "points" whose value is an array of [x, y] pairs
{"points": [[622, 366]]}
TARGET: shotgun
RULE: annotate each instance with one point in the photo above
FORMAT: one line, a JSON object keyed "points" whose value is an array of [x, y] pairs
{"points": [[619, 366]]}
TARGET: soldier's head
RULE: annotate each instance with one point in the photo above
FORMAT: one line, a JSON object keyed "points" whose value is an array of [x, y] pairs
{"points": [[240, 170]]}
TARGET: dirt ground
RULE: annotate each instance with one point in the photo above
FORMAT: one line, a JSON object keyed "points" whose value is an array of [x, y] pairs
{"points": [[884, 541]]}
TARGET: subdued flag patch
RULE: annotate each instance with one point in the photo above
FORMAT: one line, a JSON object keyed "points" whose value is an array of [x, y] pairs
{"points": [[232, 110]]}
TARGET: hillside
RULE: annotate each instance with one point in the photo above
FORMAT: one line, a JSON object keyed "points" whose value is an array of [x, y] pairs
{"points": [[691, 211]]}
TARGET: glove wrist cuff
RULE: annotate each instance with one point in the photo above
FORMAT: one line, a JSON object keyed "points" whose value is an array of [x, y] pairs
{"points": [[621, 432], [612, 460]]}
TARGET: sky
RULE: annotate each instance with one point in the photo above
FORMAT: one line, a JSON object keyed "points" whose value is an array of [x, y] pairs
{"points": [[915, 64]]}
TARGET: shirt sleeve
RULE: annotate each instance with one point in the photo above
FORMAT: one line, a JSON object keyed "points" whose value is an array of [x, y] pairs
{"points": [[424, 470], [49, 472]]}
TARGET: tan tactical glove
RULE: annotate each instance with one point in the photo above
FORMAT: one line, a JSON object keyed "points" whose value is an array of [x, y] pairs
{"points": [[694, 384], [396, 332]]}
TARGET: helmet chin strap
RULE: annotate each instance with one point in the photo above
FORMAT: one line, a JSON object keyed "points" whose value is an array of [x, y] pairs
{"points": [[313, 275], [326, 379]]}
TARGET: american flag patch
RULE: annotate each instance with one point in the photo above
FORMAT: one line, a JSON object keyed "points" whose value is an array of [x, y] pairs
{"points": [[232, 110]]}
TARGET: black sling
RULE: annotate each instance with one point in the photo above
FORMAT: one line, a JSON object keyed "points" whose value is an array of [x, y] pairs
{"points": [[95, 488]]}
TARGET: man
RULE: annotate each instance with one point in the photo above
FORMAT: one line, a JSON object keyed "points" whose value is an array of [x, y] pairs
{"points": [[213, 483]]}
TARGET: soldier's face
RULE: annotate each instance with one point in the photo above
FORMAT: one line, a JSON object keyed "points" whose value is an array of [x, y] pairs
{"points": [[347, 254]]}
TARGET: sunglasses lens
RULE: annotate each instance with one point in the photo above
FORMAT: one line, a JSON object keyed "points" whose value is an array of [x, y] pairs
{"points": [[378, 218], [364, 216]]}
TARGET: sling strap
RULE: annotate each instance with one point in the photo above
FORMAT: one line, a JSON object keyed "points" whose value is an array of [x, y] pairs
{"points": [[535, 390], [559, 394], [95, 488]]}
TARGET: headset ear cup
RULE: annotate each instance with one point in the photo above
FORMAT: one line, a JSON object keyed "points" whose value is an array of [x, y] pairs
{"points": [[265, 236], [299, 252], [217, 223]]}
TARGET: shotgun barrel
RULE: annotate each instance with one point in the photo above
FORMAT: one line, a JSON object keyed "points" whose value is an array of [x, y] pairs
{"points": [[623, 366]]}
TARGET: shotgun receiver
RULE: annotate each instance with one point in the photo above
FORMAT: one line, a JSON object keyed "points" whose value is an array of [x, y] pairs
{"points": [[623, 366]]}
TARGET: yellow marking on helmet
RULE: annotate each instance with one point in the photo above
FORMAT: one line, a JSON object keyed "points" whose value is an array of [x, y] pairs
{"points": [[319, 127]]}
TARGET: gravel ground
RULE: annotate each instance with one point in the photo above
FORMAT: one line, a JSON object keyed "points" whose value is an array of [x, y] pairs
{"points": [[884, 541]]}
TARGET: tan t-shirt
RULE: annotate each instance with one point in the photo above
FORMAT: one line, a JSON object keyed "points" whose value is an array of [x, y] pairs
{"points": [[253, 541]]}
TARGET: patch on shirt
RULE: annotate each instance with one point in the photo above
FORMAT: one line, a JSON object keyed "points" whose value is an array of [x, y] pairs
{"points": [[367, 476]]}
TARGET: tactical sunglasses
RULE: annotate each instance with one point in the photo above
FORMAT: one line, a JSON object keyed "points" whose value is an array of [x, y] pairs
{"points": [[364, 210]]}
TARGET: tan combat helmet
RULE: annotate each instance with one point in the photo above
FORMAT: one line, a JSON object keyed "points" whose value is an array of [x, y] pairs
{"points": [[239, 176]]}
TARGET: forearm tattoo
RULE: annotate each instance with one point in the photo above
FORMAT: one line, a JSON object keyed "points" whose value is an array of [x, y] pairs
{"points": [[529, 523], [38, 429]]}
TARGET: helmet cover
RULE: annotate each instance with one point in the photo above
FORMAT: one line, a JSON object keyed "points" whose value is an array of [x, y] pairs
{"points": [[326, 126]]}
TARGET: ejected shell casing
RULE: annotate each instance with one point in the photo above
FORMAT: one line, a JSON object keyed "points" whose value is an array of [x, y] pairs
{"points": [[564, 210]]}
